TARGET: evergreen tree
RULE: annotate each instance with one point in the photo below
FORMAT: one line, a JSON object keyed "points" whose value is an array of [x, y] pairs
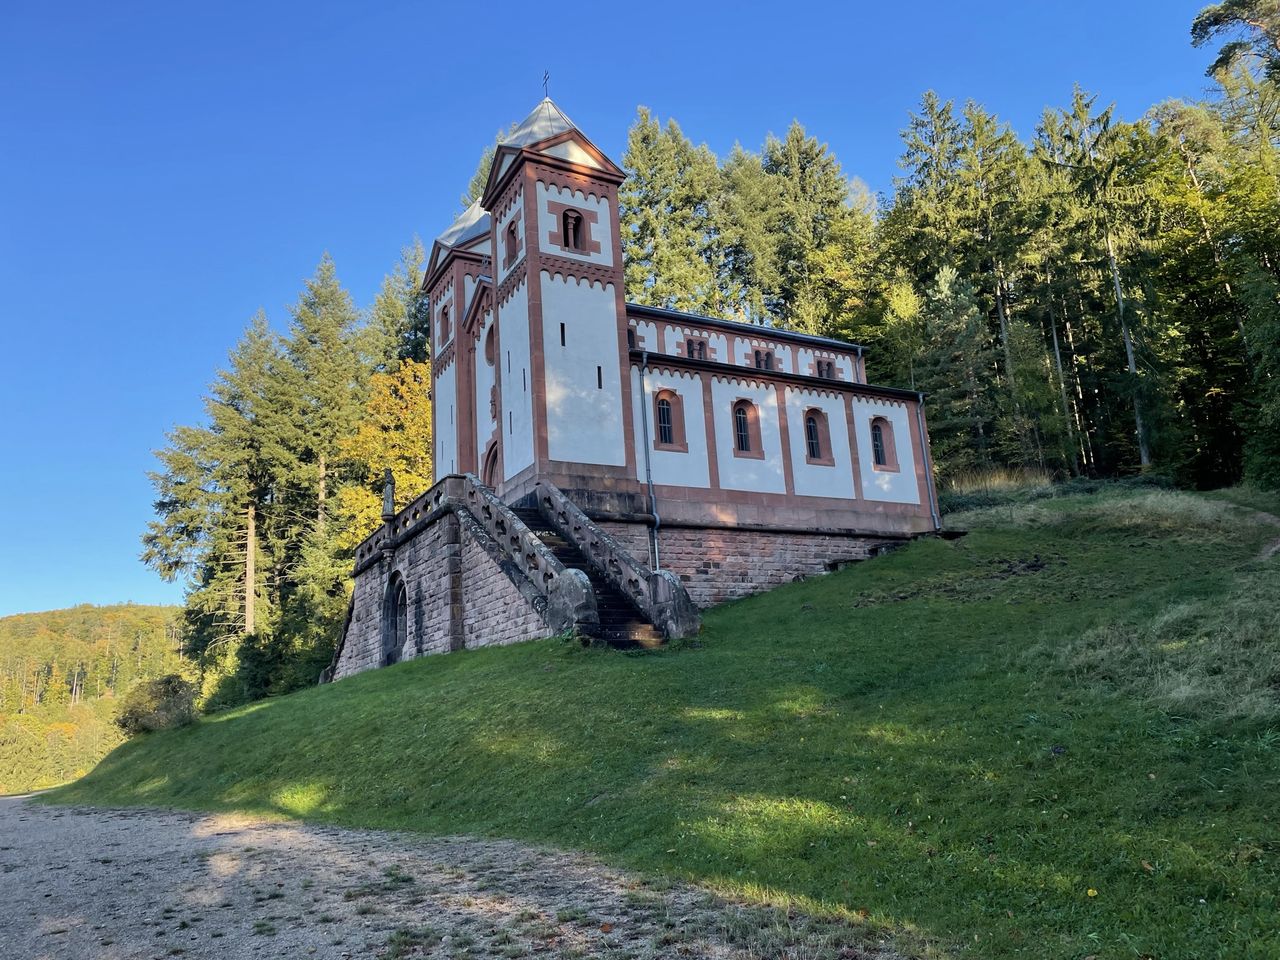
{"points": [[670, 239], [396, 331], [1254, 23]]}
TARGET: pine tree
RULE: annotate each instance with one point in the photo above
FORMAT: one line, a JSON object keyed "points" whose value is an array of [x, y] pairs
{"points": [[395, 330], [670, 238], [1256, 25]]}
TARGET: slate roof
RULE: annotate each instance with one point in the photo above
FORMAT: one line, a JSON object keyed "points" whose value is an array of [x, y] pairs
{"points": [[547, 120], [473, 223]]}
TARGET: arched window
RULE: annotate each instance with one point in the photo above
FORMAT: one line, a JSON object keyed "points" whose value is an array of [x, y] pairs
{"points": [[666, 434], [395, 621], [489, 349], [883, 450], [746, 430], [817, 438], [512, 244], [741, 428], [444, 324], [668, 422], [571, 231], [695, 348], [764, 359], [811, 437]]}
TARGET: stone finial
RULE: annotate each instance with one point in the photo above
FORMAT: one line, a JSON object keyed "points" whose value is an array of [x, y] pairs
{"points": [[388, 495]]}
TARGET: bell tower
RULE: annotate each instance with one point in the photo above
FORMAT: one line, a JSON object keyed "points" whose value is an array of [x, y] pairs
{"points": [[564, 388]]}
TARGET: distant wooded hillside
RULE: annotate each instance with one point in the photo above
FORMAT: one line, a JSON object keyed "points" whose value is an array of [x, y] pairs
{"points": [[62, 674]]}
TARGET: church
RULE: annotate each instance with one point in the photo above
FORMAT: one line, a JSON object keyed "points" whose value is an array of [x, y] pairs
{"points": [[608, 468]]}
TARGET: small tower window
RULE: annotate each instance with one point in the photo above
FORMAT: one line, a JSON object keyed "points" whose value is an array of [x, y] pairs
{"points": [[764, 359], [571, 231], [826, 369], [631, 338], [695, 348], [512, 244], [444, 324], [489, 346]]}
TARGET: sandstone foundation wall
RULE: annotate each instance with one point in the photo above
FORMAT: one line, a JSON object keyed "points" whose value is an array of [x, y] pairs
{"points": [[717, 565]]}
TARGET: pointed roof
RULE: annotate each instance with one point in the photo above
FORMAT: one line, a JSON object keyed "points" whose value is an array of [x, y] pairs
{"points": [[547, 120], [471, 223], [555, 138]]}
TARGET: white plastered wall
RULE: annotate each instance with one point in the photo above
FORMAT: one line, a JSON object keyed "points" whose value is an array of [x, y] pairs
{"points": [[887, 486], [811, 479], [444, 406], [688, 469], [583, 382], [484, 385], [748, 473], [517, 397], [647, 336]]}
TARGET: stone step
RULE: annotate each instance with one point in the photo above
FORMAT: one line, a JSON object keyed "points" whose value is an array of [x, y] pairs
{"points": [[621, 623]]}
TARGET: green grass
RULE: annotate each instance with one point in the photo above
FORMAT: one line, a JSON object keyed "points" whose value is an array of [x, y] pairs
{"points": [[956, 743]]}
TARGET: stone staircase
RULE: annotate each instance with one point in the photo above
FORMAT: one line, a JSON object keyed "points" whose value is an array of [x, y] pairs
{"points": [[621, 622]]}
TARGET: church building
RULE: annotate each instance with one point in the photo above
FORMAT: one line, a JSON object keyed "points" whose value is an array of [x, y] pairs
{"points": [[610, 468]]}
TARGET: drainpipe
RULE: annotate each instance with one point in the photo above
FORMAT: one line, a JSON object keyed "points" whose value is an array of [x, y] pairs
{"points": [[648, 468], [928, 465]]}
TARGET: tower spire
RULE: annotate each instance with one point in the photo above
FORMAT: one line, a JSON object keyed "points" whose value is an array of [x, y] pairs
{"points": [[546, 84]]}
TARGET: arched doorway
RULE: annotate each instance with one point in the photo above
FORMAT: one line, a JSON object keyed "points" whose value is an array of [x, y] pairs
{"points": [[395, 621], [489, 473]]}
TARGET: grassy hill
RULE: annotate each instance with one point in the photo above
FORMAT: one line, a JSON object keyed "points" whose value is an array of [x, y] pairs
{"points": [[1056, 737], [62, 673]]}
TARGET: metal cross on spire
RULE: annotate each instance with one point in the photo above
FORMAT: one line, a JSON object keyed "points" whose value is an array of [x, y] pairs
{"points": [[546, 83]]}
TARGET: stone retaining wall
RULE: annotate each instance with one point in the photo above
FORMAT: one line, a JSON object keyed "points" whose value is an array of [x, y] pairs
{"points": [[718, 565]]}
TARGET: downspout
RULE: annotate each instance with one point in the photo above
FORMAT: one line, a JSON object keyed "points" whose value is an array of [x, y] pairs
{"points": [[648, 468], [928, 462]]}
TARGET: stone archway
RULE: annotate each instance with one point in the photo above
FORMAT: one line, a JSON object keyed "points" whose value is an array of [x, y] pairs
{"points": [[489, 473], [395, 620]]}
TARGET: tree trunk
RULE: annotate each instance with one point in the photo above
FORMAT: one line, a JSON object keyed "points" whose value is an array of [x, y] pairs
{"points": [[1213, 247], [1144, 451], [1062, 390], [250, 573]]}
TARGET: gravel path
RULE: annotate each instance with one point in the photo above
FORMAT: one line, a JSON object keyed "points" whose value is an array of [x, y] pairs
{"points": [[81, 883]]}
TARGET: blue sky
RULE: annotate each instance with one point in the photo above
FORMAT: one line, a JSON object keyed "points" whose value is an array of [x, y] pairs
{"points": [[168, 168]]}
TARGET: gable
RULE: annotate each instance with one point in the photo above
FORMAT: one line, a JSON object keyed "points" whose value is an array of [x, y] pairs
{"points": [[574, 152]]}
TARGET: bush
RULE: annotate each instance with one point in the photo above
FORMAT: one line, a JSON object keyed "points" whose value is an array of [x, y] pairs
{"points": [[159, 704]]}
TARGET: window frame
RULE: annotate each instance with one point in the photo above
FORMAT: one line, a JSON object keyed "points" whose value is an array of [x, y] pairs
{"points": [[697, 348], [679, 441], [888, 448], [826, 453], [751, 413], [444, 325], [567, 236], [512, 244]]}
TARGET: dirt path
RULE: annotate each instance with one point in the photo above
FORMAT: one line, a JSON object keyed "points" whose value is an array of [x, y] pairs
{"points": [[112, 884]]}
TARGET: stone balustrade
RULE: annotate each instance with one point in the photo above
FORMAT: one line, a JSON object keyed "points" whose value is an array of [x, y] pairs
{"points": [[659, 595]]}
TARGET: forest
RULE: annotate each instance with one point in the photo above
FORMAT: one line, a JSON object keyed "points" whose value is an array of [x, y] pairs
{"points": [[1099, 297], [62, 676]]}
